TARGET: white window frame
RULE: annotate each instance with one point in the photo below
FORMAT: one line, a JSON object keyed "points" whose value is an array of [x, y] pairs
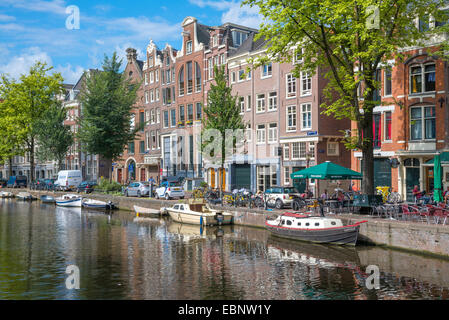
{"points": [[157, 75], [306, 78], [146, 79], [335, 151], [146, 97], [261, 134], [290, 81], [286, 152], [260, 101], [241, 75], [273, 132], [248, 103], [286, 175], [294, 115], [272, 98], [189, 47], [151, 95], [303, 113], [269, 72], [157, 94], [158, 115], [242, 104], [151, 77]]}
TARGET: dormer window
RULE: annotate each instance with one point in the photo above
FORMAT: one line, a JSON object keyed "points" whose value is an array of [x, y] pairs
{"points": [[215, 41], [150, 61], [189, 47]]}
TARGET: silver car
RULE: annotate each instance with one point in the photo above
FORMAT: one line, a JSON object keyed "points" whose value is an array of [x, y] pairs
{"points": [[138, 189]]}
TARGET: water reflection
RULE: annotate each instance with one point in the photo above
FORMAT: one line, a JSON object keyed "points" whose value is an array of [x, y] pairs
{"points": [[122, 257]]}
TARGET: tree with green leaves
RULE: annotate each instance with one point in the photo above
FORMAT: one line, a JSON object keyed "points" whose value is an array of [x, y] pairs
{"points": [[54, 137], [24, 104], [222, 116], [349, 40], [105, 122]]}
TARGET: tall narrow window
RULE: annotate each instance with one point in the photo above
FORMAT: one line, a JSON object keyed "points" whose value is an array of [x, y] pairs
{"points": [[260, 133], [248, 106], [173, 117], [387, 120], [376, 131], [260, 103], [197, 77], [291, 118], [189, 78], [306, 116], [198, 111], [181, 114], [242, 104], [272, 132], [291, 86], [190, 112], [188, 47], [181, 81], [210, 68], [166, 119], [306, 84], [272, 101]]}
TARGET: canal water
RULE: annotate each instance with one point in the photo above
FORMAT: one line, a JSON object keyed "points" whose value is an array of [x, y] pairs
{"points": [[122, 257]]}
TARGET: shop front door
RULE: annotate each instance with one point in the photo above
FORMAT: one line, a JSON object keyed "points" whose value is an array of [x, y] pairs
{"points": [[411, 179]]}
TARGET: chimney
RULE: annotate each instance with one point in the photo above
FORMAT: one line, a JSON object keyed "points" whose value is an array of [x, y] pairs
{"points": [[131, 54]]}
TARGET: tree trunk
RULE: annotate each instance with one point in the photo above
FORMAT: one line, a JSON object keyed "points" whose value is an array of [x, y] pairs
{"points": [[32, 160], [10, 167], [107, 174], [368, 156]]}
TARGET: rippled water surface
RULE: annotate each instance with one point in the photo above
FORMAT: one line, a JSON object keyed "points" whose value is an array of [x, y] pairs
{"points": [[120, 257]]}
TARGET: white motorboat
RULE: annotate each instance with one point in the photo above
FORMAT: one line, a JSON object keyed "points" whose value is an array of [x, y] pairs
{"points": [[97, 204], [313, 229], [69, 200], [6, 194], [141, 211], [198, 213]]}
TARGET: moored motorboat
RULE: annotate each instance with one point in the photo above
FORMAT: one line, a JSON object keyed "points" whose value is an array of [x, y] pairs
{"points": [[69, 200], [6, 194], [47, 199], [198, 213], [144, 212], [313, 229], [25, 196], [97, 204]]}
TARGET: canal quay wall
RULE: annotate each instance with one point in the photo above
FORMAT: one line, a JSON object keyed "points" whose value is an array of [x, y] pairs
{"points": [[412, 236]]}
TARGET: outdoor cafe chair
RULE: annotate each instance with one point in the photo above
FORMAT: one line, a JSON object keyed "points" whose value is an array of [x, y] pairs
{"points": [[407, 213], [421, 213]]}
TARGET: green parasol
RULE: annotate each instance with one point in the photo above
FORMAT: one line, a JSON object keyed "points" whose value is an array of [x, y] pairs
{"points": [[437, 187]]}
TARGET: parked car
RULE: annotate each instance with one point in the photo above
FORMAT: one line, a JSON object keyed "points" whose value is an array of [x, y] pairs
{"points": [[86, 186], [68, 180], [169, 190], [17, 182], [281, 196], [138, 189]]}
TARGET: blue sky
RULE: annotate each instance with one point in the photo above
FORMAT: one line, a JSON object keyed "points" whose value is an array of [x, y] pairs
{"points": [[33, 30]]}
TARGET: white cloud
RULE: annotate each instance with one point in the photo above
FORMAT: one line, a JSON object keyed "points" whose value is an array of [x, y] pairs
{"points": [[69, 73], [234, 12], [6, 18], [22, 63], [54, 6], [245, 16]]}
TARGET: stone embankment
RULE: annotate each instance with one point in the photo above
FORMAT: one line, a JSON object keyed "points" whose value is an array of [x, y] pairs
{"points": [[412, 236]]}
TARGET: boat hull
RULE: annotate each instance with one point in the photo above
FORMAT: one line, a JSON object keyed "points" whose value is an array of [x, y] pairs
{"points": [[141, 211], [346, 235], [98, 206], [69, 203], [204, 219]]}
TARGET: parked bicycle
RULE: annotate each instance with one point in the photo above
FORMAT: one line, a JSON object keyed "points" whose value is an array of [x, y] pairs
{"points": [[387, 195]]}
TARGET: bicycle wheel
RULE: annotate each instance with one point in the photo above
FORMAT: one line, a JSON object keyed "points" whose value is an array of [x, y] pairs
{"points": [[394, 197]]}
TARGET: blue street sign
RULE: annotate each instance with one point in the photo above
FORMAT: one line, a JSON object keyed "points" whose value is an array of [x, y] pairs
{"points": [[312, 133]]}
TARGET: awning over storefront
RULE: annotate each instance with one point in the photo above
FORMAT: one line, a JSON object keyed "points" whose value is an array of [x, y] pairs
{"points": [[326, 170], [444, 158]]}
